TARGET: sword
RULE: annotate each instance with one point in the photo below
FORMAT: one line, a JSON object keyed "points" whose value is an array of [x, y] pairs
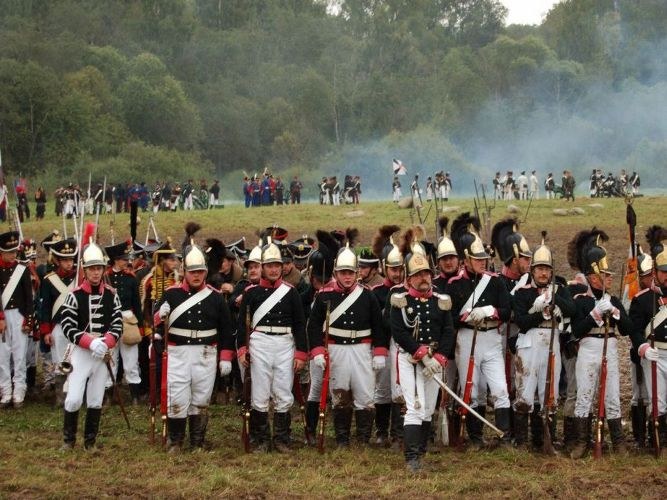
{"points": [[468, 407]]}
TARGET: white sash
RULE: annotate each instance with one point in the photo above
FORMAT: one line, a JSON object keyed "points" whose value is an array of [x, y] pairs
{"points": [[343, 306], [477, 292], [191, 301], [656, 321], [268, 304], [520, 283], [63, 290], [12, 284]]}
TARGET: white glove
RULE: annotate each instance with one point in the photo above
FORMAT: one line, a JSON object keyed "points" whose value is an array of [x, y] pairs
{"points": [[320, 362], [540, 303], [225, 368], [379, 362], [165, 309], [431, 366], [479, 314], [603, 306], [98, 348], [650, 353]]}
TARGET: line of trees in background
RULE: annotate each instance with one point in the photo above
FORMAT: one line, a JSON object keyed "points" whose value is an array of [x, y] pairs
{"points": [[177, 89]]}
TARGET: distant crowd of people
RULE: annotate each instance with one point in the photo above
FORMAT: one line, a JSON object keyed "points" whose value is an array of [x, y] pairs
{"points": [[269, 190], [331, 192], [602, 186]]}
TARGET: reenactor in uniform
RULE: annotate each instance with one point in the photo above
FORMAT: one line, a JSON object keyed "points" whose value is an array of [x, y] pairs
{"points": [[91, 320], [369, 274], [533, 315], [480, 302], [358, 346], [301, 249], [648, 313], [290, 273], [121, 277], [196, 320], [447, 258], [52, 292], [386, 408], [639, 401], [599, 314], [276, 351], [16, 321], [514, 252], [421, 325]]}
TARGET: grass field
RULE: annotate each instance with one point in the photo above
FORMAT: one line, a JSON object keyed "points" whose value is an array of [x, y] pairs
{"points": [[127, 466]]}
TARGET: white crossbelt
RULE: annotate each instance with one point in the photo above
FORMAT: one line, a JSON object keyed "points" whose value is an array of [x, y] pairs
{"points": [[63, 290], [187, 304], [268, 304], [12, 284], [344, 306], [349, 334], [477, 293], [193, 334]]}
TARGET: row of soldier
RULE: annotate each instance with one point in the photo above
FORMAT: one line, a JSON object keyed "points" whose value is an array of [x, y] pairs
{"points": [[383, 339]]}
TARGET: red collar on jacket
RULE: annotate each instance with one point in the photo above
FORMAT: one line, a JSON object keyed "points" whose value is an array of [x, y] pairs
{"points": [[87, 287], [413, 292], [65, 274], [8, 265], [267, 284], [337, 288], [508, 273]]}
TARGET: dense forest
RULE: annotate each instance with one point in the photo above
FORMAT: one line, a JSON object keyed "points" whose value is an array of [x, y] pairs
{"points": [[171, 89]]}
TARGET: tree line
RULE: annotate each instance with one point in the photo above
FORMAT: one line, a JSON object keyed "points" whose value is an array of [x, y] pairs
{"points": [[177, 89]]}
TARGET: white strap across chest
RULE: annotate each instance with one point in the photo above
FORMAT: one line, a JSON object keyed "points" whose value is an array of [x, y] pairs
{"points": [[191, 301], [477, 292], [268, 304], [63, 290], [12, 284], [347, 302]]}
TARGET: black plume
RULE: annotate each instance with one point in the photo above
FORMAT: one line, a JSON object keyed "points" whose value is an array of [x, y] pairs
{"points": [[582, 240], [501, 230], [443, 222], [190, 229], [352, 235], [216, 251], [382, 238]]}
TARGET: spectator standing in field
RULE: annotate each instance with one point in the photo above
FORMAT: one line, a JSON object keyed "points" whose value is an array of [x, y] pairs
{"points": [[295, 190], [356, 189], [429, 189], [533, 187], [446, 187], [396, 189], [214, 195], [568, 185], [549, 186], [40, 199]]}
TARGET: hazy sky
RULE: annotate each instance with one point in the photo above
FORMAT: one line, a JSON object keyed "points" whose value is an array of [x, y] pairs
{"points": [[527, 11]]}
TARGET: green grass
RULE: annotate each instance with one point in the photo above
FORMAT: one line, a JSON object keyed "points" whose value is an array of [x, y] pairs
{"points": [[32, 466]]}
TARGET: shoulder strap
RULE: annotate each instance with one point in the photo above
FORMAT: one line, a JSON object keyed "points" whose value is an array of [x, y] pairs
{"points": [[268, 304], [191, 301], [12, 284], [347, 302]]}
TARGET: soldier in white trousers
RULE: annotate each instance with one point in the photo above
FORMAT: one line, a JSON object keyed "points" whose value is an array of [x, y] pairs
{"points": [[537, 305], [421, 325], [91, 320], [16, 321], [357, 346], [198, 321], [598, 314]]}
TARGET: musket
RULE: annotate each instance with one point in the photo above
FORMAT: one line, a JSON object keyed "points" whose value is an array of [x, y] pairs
{"points": [[467, 391], [548, 406], [525, 216], [602, 388], [301, 401], [654, 389], [114, 385], [98, 207], [325, 383], [164, 404], [247, 386]]}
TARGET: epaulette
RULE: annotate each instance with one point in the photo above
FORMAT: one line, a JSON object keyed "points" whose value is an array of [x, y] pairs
{"points": [[491, 273], [399, 300], [527, 285], [400, 285], [251, 285], [327, 288], [444, 301], [642, 291], [377, 286], [213, 288]]}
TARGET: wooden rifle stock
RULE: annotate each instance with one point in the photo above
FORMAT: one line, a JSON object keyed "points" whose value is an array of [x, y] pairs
{"points": [[599, 424], [654, 390], [247, 387], [116, 392], [325, 384], [163, 386], [467, 392]]}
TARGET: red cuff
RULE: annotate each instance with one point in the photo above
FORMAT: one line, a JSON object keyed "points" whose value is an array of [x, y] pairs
{"points": [[420, 353], [227, 355], [301, 355], [2, 315], [241, 352], [157, 320], [85, 340], [45, 328], [109, 340], [317, 350], [464, 316], [142, 332], [642, 349], [495, 314], [440, 359], [380, 351]]}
